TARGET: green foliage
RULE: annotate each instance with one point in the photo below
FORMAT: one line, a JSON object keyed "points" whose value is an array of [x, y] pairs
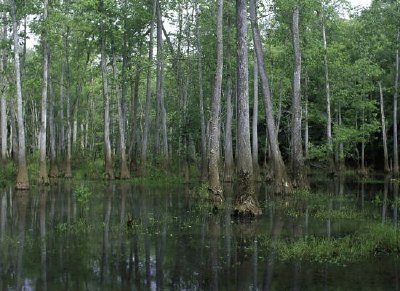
{"points": [[203, 191], [7, 173], [82, 195]]}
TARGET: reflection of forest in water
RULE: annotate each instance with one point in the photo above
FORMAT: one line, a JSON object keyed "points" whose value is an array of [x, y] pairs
{"points": [[51, 241]]}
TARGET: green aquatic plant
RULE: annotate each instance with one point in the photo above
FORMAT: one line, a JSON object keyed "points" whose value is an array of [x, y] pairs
{"points": [[82, 195]]}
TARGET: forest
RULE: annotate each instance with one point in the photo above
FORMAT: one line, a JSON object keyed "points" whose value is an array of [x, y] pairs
{"points": [[202, 90]]}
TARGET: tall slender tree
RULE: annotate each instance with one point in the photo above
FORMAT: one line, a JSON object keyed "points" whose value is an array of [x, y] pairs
{"points": [[3, 85], [124, 174], [383, 127], [297, 160], [229, 168], [246, 202], [160, 85], [108, 169], [43, 176], [214, 185], [327, 93], [281, 181], [146, 126], [201, 97], [395, 97], [22, 181]]}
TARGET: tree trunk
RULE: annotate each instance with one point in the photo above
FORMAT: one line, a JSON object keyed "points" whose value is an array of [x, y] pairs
{"points": [[61, 146], [14, 134], [246, 203], [22, 181], [229, 168], [396, 93], [121, 122], [201, 99], [214, 186], [306, 130], [160, 85], [281, 181], [328, 97], [3, 122], [255, 121], [53, 156], [68, 171], [43, 176], [108, 169], [383, 125], [146, 128], [299, 174], [134, 110], [3, 87]]}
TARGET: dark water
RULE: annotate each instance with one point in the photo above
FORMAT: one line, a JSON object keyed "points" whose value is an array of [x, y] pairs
{"points": [[50, 239]]}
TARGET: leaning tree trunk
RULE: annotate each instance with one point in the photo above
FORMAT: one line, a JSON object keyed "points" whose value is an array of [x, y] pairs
{"points": [[143, 157], [201, 99], [108, 166], [22, 181], [214, 185], [121, 122], [246, 203], [383, 125], [43, 176], [281, 180], [299, 173], [395, 96], [328, 98], [229, 168]]}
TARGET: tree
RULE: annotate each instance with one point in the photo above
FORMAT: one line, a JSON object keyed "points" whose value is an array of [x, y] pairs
{"points": [[281, 180], [214, 185], [246, 203], [22, 181], [43, 176], [146, 126], [108, 169], [3, 86], [299, 173]]}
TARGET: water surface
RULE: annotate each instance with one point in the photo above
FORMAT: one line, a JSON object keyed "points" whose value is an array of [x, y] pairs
{"points": [[57, 238]]}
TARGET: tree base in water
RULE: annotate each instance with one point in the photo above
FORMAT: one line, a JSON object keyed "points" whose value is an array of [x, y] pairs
{"points": [[246, 204], [215, 195]]}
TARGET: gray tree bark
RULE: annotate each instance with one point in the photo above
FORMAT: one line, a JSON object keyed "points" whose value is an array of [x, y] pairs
{"points": [[201, 99], [328, 97], [254, 144], [68, 170], [246, 203], [395, 97], [146, 128], [229, 167], [214, 185], [22, 181], [383, 125], [281, 182], [134, 110], [108, 169], [3, 87], [121, 121], [299, 173], [53, 155], [160, 85], [43, 176]]}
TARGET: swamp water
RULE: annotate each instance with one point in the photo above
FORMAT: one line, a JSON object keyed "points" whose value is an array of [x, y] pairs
{"points": [[95, 236]]}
